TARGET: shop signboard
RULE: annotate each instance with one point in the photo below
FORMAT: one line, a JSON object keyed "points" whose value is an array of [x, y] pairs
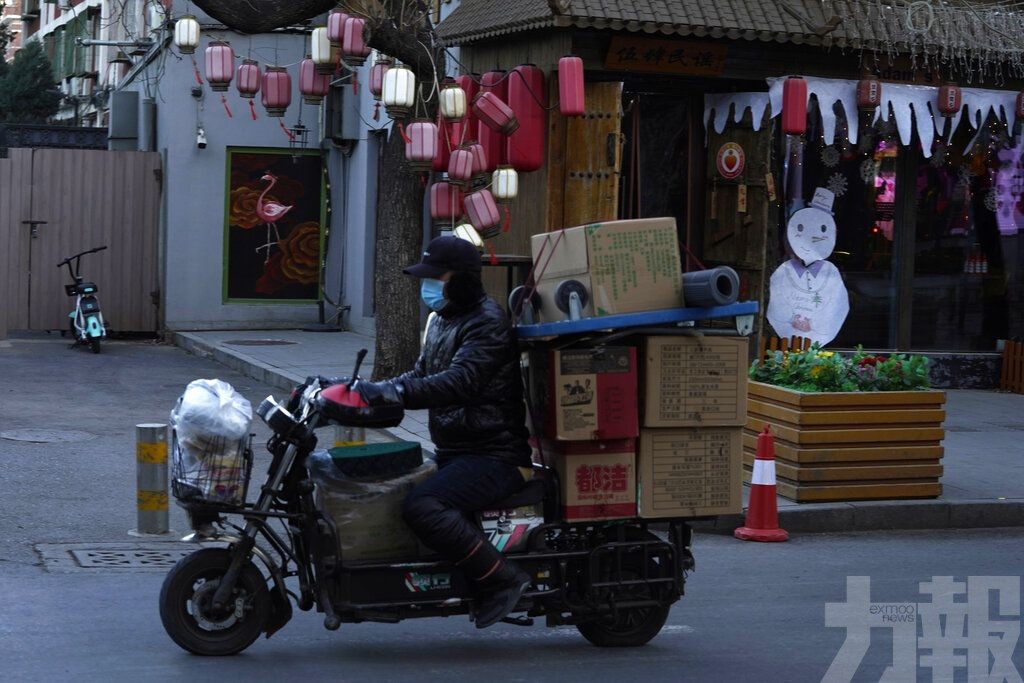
{"points": [[629, 53]]}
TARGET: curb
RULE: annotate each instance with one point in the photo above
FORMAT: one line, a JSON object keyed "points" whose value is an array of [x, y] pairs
{"points": [[885, 515]]}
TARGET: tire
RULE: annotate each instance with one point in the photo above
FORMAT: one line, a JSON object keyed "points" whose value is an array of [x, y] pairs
{"points": [[193, 581], [629, 627], [94, 344]]}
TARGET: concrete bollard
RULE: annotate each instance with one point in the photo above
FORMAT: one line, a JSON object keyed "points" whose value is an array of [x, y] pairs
{"points": [[151, 468]]}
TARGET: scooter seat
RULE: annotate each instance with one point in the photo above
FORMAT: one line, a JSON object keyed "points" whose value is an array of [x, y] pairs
{"points": [[531, 494]]}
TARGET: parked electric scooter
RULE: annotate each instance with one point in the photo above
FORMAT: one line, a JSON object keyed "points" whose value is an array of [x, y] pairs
{"points": [[614, 580], [86, 325]]}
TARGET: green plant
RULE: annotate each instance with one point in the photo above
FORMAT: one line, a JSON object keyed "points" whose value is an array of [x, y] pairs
{"points": [[816, 370]]}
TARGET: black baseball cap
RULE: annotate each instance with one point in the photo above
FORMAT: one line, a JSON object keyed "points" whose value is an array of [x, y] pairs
{"points": [[444, 254]]}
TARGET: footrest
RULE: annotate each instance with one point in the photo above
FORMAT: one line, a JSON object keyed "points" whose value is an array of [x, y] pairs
{"points": [[518, 621]]}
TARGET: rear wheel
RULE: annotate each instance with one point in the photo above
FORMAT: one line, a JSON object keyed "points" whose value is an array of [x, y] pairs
{"points": [[186, 608]]}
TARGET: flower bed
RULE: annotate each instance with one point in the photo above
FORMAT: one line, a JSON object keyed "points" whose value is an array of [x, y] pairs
{"points": [[846, 428]]}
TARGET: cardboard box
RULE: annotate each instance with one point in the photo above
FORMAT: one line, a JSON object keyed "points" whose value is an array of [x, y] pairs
{"points": [[694, 381], [598, 479], [627, 266], [690, 472], [587, 394]]}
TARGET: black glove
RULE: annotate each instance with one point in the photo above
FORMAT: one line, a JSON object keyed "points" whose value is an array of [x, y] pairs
{"points": [[385, 393]]}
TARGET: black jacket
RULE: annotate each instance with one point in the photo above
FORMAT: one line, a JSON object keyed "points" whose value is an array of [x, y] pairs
{"points": [[468, 376]]}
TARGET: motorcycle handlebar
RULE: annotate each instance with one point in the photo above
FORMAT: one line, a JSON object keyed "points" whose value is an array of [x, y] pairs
{"points": [[87, 251]]}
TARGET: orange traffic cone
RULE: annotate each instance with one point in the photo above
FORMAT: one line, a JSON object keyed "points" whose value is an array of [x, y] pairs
{"points": [[762, 512]]}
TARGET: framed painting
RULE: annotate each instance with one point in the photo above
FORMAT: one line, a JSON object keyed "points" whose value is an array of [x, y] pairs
{"points": [[274, 216]]}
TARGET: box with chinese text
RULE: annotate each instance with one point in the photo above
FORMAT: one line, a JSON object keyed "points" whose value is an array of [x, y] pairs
{"points": [[598, 479], [690, 472], [694, 381]]}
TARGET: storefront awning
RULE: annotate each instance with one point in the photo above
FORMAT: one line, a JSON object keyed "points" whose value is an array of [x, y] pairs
{"points": [[971, 31]]}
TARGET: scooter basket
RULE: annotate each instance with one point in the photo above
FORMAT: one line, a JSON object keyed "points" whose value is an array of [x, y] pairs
{"points": [[213, 470]]}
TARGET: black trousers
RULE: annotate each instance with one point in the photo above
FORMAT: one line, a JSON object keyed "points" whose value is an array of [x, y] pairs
{"points": [[440, 512]]}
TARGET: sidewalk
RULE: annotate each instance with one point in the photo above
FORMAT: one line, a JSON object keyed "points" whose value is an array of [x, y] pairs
{"points": [[982, 486]]}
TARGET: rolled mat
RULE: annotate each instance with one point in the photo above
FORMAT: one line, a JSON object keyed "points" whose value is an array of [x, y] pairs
{"points": [[718, 286]]}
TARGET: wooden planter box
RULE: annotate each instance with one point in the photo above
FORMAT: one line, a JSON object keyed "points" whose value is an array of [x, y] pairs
{"points": [[849, 446]]}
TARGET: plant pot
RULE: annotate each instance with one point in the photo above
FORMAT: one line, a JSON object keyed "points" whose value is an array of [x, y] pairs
{"points": [[849, 445]]}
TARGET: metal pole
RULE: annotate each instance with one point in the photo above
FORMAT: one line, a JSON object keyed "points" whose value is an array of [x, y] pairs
{"points": [[151, 465]]}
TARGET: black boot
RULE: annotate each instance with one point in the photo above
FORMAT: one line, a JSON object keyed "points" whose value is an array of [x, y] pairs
{"points": [[500, 594]]}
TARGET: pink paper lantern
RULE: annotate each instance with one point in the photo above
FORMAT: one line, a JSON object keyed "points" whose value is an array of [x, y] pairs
{"points": [[470, 123], [460, 166], [277, 91], [571, 91], [492, 140], [448, 136], [220, 66], [526, 97], [313, 85], [377, 71], [494, 113], [479, 159], [794, 106], [483, 212], [353, 47], [336, 27], [446, 201], [421, 144], [248, 79]]}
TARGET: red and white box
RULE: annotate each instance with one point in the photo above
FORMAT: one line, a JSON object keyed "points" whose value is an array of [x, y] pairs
{"points": [[597, 478]]}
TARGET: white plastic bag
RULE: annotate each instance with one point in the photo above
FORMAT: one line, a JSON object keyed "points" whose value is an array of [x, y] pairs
{"points": [[211, 424]]}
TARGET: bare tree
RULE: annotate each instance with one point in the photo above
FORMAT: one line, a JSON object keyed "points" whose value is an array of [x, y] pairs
{"points": [[401, 29]]}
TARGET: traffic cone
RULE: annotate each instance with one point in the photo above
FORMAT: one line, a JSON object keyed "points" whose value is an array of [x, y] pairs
{"points": [[762, 513]]}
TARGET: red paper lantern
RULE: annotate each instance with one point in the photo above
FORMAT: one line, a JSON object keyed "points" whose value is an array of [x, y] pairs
{"points": [[449, 136], [336, 27], [526, 97], [571, 94], [869, 94], [483, 212], [313, 86], [471, 87], [479, 159], [460, 166], [494, 113], [950, 99], [277, 91], [220, 66], [377, 71], [421, 144], [794, 106], [445, 201], [353, 47], [248, 79], [492, 140]]}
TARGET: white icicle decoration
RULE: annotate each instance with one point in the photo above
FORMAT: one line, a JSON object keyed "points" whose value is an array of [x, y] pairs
{"points": [[739, 102]]}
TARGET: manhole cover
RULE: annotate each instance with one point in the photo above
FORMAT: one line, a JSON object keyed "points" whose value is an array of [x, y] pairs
{"points": [[259, 342], [113, 556], [46, 435]]}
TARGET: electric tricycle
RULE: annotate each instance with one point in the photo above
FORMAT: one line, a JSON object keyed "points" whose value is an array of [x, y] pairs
{"points": [[614, 581]]}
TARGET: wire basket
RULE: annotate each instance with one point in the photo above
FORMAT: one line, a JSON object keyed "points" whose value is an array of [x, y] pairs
{"points": [[211, 470]]}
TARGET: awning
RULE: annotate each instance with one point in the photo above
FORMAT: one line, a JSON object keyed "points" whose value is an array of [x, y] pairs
{"points": [[972, 31]]}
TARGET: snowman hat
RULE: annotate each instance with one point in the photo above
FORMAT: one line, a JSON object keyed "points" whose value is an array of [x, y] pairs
{"points": [[823, 199]]}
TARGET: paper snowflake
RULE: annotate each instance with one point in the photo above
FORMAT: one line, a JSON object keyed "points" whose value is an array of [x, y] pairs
{"points": [[830, 156], [837, 184], [964, 175], [868, 170], [992, 200]]}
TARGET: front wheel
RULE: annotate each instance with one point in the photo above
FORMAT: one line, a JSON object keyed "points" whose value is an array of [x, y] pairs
{"points": [[188, 615]]}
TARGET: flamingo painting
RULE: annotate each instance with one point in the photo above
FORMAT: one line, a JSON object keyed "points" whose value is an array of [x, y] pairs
{"points": [[270, 212]]}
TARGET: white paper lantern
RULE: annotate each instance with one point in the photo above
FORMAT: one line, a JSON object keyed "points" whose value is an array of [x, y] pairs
{"points": [[467, 232], [186, 34], [399, 93], [504, 184], [324, 55], [452, 102]]}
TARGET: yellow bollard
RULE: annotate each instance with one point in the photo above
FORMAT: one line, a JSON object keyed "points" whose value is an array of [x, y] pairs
{"points": [[151, 470]]}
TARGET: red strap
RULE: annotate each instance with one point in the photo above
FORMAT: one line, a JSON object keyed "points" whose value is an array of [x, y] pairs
{"points": [[533, 277]]}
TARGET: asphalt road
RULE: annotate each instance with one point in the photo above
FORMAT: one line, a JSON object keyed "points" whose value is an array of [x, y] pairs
{"points": [[753, 612]]}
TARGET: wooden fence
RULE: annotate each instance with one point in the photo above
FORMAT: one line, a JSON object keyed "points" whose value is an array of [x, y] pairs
{"points": [[1011, 376], [769, 345]]}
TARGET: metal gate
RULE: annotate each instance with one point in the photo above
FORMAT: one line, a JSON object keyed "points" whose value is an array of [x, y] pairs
{"points": [[58, 202]]}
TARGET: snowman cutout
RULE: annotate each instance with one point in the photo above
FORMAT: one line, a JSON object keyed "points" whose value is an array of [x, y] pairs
{"points": [[808, 297]]}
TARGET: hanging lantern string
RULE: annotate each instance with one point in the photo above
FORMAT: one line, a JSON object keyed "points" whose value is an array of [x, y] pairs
{"points": [[224, 101], [494, 256], [291, 136], [252, 108], [508, 218], [508, 74]]}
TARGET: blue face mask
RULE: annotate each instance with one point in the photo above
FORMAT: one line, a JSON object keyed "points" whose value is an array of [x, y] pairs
{"points": [[432, 293]]}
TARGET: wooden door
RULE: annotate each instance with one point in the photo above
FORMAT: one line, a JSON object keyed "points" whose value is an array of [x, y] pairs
{"points": [[15, 191], [585, 158]]}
